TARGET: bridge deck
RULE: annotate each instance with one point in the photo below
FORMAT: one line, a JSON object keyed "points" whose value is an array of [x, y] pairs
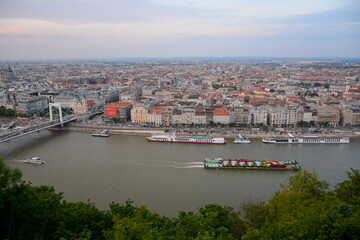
{"points": [[34, 128]]}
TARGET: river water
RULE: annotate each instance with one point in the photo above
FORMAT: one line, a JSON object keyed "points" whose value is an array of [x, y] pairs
{"points": [[165, 177]]}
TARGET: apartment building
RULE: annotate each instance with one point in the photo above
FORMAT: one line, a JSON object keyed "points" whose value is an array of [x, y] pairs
{"points": [[31, 105], [119, 110], [328, 114], [350, 117], [283, 116], [154, 116], [139, 113], [222, 115], [241, 115]]}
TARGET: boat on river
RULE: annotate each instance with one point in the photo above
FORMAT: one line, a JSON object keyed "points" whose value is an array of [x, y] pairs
{"points": [[250, 164], [242, 139], [102, 134], [306, 139], [34, 160], [186, 139]]}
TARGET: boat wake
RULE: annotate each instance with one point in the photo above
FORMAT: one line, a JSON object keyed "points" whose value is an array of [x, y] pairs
{"points": [[182, 165], [196, 163], [190, 165], [167, 164], [202, 166]]}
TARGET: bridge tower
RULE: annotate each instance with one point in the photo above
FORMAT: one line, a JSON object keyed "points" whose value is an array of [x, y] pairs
{"points": [[56, 105]]}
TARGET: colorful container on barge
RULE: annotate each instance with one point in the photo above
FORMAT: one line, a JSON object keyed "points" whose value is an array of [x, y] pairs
{"points": [[228, 163]]}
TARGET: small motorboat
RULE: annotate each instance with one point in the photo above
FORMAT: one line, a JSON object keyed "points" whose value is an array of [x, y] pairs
{"points": [[242, 139], [34, 160]]}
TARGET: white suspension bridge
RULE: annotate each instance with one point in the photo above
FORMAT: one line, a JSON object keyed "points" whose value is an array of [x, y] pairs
{"points": [[16, 133]]}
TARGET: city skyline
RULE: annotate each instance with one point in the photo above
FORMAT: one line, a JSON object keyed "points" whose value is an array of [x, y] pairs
{"points": [[156, 28]]}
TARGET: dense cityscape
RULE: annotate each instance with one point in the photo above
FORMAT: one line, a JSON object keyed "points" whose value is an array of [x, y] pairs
{"points": [[282, 93]]}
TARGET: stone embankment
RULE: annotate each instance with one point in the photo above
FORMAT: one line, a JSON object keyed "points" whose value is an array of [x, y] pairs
{"points": [[146, 131]]}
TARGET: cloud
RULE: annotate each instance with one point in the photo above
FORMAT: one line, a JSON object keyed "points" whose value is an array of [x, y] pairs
{"points": [[80, 11], [160, 27]]}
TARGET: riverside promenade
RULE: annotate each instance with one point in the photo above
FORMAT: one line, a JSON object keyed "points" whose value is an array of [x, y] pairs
{"points": [[213, 132]]}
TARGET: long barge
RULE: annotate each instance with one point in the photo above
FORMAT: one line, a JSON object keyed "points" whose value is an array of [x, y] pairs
{"points": [[186, 139], [250, 164]]}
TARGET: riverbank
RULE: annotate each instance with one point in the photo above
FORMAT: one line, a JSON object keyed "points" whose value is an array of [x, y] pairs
{"points": [[225, 133]]}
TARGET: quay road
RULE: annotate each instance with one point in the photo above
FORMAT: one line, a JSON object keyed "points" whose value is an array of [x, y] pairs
{"points": [[92, 126], [9, 135]]}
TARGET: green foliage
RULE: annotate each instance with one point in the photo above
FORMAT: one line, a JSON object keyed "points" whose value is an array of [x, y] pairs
{"points": [[216, 86], [303, 124], [305, 209], [311, 94], [254, 214], [131, 222], [349, 190], [82, 218], [8, 177], [323, 124], [6, 112], [312, 123], [265, 128], [24, 115], [28, 212], [115, 120]]}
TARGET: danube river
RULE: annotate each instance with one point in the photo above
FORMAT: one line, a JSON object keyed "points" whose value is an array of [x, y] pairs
{"points": [[165, 177]]}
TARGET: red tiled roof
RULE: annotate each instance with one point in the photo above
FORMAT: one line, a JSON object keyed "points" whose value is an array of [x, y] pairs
{"points": [[119, 104], [278, 101], [91, 103], [246, 91], [221, 112], [157, 110]]}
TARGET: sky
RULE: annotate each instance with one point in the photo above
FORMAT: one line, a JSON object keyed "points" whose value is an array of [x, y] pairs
{"points": [[67, 29]]}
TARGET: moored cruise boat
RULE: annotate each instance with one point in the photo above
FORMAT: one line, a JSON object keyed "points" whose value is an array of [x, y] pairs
{"points": [[186, 139], [306, 139]]}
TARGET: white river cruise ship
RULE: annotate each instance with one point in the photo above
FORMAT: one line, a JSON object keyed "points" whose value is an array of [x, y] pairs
{"points": [[306, 139], [186, 139]]}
